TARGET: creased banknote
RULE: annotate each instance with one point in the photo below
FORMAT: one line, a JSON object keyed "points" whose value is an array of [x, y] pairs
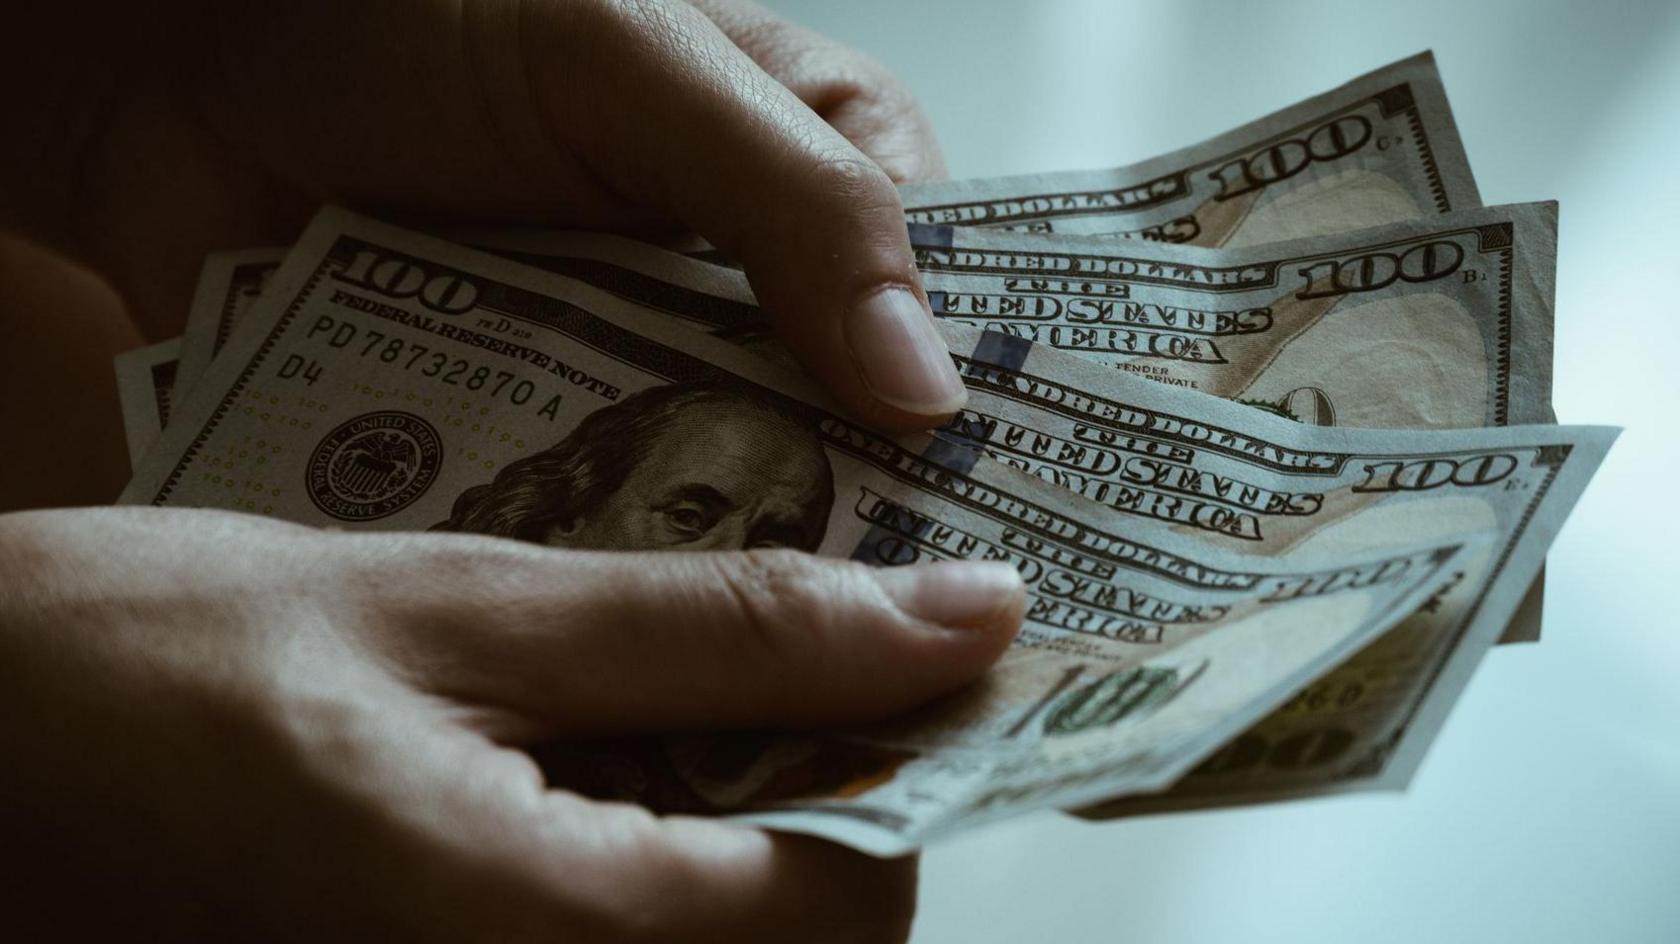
{"points": [[1443, 322], [228, 286], [1436, 323], [390, 380], [146, 384], [1440, 322], [231, 283], [1467, 342], [1379, 149], [1367, 723]]}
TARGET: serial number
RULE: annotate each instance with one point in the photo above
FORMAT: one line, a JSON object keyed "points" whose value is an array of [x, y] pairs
{"points": [[409, 356]]}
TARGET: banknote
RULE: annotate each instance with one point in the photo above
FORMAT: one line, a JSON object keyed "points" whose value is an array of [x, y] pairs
{"points": [[1440, 322], [146, 381], [1379, 149], [1367, 723], [228, 285], [1435, 323], [704, 296], [231, 283], [1469, 346], [391, 380]]}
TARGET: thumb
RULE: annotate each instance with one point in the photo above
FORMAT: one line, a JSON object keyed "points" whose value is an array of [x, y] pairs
{"points": [[597, 643], [738, 158]]}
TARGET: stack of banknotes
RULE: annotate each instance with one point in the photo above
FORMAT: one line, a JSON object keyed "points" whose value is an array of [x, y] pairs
{"points": [[1264, 423]]}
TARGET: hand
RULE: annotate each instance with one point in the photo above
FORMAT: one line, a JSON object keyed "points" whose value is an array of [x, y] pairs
{"points": [[315, 737], [224, 124], [856, 95]]}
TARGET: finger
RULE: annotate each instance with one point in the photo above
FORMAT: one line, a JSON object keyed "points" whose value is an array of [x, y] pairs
{"points": [[597, 112], [513, 860], [856, 95], [736, 157], [681, 878], [890, 128], [610, 642]]}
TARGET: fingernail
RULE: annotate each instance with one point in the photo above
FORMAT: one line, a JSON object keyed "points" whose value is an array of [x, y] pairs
{"points": [[955, 594], [903, 360]]}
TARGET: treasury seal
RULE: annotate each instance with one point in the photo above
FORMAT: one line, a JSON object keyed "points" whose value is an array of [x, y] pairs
{"points": [[374, 465]]}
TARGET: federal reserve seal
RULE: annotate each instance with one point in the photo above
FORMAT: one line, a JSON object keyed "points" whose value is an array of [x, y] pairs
{"points": [[374, 465]]}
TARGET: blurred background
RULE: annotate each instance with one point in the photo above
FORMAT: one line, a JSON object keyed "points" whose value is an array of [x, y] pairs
{"points": [[1549, 809]]}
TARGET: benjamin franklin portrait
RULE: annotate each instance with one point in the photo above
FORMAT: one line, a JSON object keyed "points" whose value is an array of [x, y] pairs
{"points": [[699, 466]]}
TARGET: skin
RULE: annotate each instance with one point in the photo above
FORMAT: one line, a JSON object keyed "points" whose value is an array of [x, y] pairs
{"points": [[142, 136], [317, 738], [219, 727], [717, 479]]}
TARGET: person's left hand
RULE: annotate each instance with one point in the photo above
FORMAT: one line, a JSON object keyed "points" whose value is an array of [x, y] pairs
{"points": [[220, 727]]}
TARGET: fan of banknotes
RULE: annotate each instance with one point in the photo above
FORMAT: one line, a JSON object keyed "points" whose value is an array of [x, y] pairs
{"points": [[1264, 423]]}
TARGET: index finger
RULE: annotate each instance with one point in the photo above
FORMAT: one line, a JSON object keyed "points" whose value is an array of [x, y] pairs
{"points": [[739, 159], [857, 96]]}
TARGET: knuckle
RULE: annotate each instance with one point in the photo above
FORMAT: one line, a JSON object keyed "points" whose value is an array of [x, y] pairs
{"points": [[644, 909], [774, 593], [869, 79], [851, 179], [431, 585], [765, 39], [769, 583], [636, 893], [793, 582]]}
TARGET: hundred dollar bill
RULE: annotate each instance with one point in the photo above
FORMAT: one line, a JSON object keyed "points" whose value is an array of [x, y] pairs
{"points": [[1437, 322], [1367, 723], [1441, 322], [705, 296], [1480, 344], [1468, 343], [389, 380], [228, 286], [146, 389], [148, 379], [1379, 149]]}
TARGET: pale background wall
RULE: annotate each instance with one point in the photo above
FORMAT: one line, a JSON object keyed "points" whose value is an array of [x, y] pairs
{"points": [[1549, 810]]}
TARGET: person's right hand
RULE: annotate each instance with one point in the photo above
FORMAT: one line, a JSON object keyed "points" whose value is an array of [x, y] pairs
{"points": [[194, 127], [225, 728]]}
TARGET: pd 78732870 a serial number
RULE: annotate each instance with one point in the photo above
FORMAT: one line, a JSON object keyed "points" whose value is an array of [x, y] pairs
{"points": [[410, 356]]}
